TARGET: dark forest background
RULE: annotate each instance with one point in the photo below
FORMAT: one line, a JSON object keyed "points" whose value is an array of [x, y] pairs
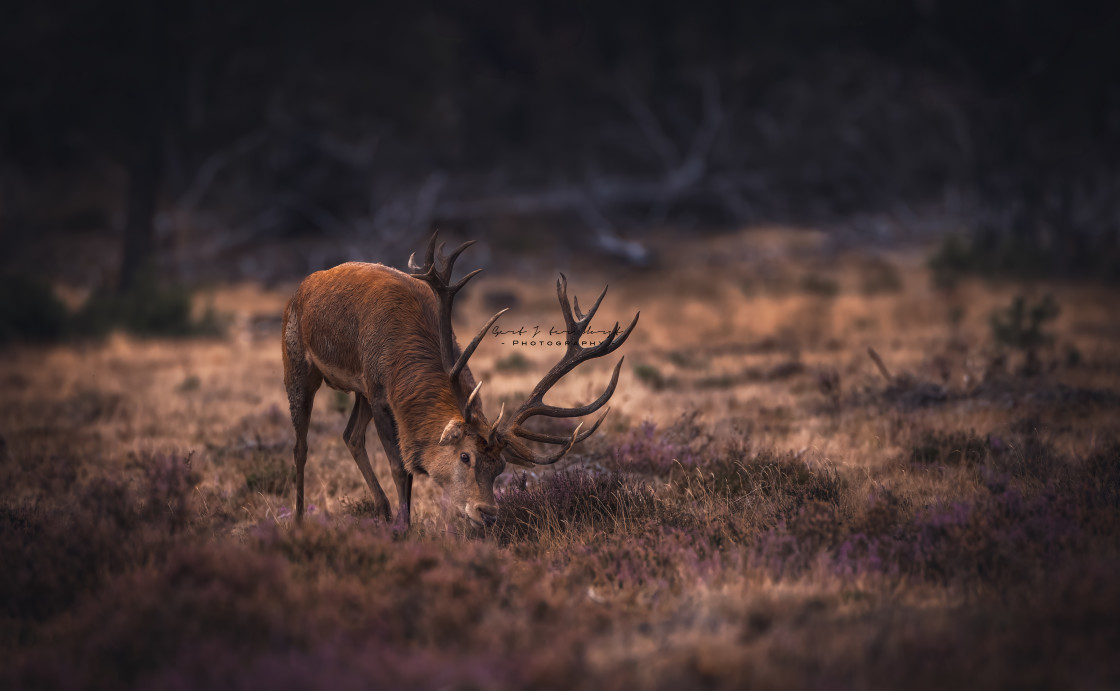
{"points": [[865, 434], [222, 140]]}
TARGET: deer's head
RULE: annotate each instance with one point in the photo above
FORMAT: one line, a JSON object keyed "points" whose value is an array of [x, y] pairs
{"points": [[472, 452]]}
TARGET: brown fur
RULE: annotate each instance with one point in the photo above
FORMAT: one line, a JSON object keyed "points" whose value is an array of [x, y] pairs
{"points": [[374, 331]]}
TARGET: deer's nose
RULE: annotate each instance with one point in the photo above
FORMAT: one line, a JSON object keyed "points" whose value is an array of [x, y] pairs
{"points": [[489, 514]]}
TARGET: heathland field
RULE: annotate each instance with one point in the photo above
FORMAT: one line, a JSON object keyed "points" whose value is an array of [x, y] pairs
{"points": [[765, 507]]}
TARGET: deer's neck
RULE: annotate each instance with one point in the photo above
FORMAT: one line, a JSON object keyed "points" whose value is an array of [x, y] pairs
{"points": [[422, 402]]}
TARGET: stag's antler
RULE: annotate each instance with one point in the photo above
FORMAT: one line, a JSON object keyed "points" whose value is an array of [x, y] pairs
{"points": [[439, 278], [506, 434]]}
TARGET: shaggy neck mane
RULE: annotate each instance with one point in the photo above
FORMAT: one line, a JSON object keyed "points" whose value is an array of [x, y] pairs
{"points": [[419, 393]]}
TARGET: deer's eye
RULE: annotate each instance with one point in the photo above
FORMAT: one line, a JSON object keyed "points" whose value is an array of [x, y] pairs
{"points": [[465, 458]]}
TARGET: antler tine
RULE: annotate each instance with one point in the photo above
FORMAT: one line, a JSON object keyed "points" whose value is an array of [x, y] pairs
{"points": [[467, 414], [470, 399], [621, 338], [438, 268], [469, 350], [490, 436], [430, 253], [463, 281], [565, 307], [575, 355], [614, 339], [559, 439], [440, 257], [436, 272], [449, 263], [577, 322], [594, 307], [581, 320], [436, 264], [427, 272], [521, 454], [536, 406]]}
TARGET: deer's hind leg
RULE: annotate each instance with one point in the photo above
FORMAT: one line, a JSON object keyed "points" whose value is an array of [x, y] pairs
{"points": [[301, 380], [355, 437]]}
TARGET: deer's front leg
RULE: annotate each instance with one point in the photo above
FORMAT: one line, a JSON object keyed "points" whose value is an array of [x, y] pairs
{"points": [[387, 431], [355, 437]]}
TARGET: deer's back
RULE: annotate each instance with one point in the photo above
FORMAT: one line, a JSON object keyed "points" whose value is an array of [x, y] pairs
{"points": [[359, 324]]}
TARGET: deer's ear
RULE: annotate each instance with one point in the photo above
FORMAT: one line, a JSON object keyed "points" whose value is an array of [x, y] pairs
{"points": [[452, 433]]}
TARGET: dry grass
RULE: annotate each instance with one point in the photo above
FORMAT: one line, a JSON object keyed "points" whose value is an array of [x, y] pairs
{"points": [[763, 508]]}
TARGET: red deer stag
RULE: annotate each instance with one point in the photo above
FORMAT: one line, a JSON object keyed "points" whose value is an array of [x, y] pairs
{"points": [[386, 336]]}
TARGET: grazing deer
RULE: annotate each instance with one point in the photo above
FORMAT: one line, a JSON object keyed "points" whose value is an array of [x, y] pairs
{"points": [[386, 336]]}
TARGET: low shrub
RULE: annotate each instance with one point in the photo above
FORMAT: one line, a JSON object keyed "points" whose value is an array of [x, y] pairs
{"points": [[962, 255], [797, 542], [951, 448], [645, 449], [267, 474], [650, 376], [57, 553], [30, 311], [151, 308], [514, 362], [1020, 325], [878, 277], [816, 284], [203, 599], [566, 500], [1021, 452]]}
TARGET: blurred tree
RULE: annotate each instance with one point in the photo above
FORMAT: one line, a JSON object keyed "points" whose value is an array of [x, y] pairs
{"points": [[107, 76], [364, 112]]}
